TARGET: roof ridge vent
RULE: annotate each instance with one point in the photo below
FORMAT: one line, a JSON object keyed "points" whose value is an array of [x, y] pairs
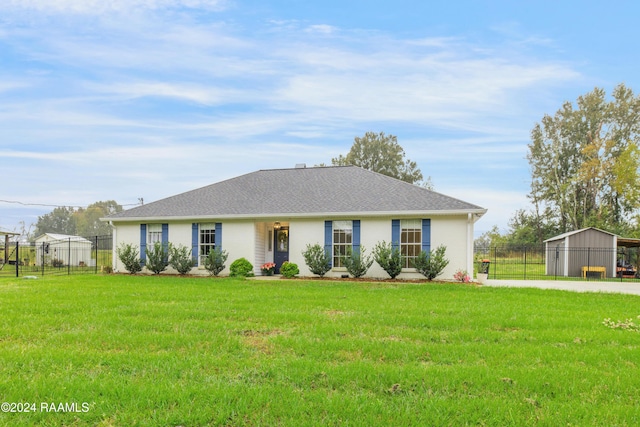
{"points": [[301, 165]]}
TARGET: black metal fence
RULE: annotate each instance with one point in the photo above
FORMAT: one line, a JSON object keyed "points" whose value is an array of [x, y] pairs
{"points": [[559, 263], [72, 255]]}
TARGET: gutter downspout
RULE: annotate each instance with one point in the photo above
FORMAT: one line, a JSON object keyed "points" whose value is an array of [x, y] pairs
{"points": [[114, 245]]}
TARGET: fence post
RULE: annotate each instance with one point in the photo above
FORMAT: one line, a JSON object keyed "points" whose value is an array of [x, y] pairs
{"points": [[96, 269], [17, 256], [69, 257], [525, 263], [495, 260]]}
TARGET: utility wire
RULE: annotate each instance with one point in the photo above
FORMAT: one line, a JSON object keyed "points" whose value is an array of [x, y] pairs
{"points": [[56, 206]]}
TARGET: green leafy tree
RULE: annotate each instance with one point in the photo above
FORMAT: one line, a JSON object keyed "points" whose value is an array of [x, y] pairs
{"points": [[389, 258], [530, 228], [214, 261], [431, 264], [317, 259], [128, 255], [357, 263], [490, 238], [60, 220], [381, 153], [585, 161], [83, 221], [88, 220]]}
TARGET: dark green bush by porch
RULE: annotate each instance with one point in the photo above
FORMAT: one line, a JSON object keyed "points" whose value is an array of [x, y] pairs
{"points": [[241, 268], [289, 270]]}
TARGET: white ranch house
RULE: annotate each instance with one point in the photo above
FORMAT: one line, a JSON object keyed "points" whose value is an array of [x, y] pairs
{"points": [[272, 215]]}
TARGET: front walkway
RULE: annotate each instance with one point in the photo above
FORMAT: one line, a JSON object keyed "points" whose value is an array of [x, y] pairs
{"points": [[577, 286]]}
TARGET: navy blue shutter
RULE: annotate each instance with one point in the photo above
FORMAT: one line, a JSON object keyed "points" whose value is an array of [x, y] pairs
{"points": [[218, 241], [143, 244], [165, 240], [328, 239], [395, 233], [194, 243], [426, 235], [356, 236], [165, 236]]}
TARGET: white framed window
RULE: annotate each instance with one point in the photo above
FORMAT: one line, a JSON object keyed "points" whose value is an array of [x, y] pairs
{"points": [[207, 240], [154, 234], [410, 241], [342, 241]]}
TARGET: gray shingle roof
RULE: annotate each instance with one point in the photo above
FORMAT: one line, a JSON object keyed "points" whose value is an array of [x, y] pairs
{"points": [[301, 192]]}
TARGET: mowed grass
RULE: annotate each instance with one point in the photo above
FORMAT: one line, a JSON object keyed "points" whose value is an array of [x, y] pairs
{"points": [[171, 351]]}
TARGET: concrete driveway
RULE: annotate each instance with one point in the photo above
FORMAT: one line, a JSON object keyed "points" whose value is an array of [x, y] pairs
{"points": [[577, 286]]}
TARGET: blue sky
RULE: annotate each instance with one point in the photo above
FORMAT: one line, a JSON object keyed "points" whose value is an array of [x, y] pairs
{"points": [[129, 99]]}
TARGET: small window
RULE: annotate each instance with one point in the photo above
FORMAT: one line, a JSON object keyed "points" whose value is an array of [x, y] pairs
{"points": [[207, 240], [154, 232], [342, 241], [410, 241]]}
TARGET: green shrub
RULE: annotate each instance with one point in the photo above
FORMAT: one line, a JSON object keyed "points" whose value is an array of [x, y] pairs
{"points": [[389, 258], [157, 258], [181, 259], [431, 264], [214, 261], [289, 269], [241, 268], [317, 259], [128, 255], [357, 264]]}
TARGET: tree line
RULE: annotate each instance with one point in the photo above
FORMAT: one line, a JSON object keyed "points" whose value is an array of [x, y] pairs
{"points": [[584, 170], [78, 221]]}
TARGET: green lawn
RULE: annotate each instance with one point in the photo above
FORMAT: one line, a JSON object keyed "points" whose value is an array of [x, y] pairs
{"points": [[172, 351]]}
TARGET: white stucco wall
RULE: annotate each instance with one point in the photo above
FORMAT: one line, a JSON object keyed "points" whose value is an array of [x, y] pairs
{"points": [[451, 231], [124, 233], [238, 240], [249, 239]]}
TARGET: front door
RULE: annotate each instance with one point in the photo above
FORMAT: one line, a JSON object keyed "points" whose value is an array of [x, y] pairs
{"points": [[281, 245]]}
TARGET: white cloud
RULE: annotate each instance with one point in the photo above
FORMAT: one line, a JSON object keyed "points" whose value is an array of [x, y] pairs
{"points": [[152, 104], [321, 28], [189, 92], [7, 85]]}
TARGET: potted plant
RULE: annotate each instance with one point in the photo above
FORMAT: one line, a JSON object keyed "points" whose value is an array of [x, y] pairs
{"points": [[483, 271], [268, 268]]}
